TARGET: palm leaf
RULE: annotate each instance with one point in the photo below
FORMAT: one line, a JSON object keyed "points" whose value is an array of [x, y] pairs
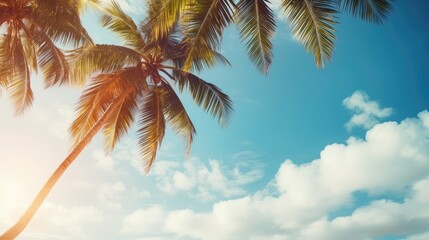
{"points": [[203, 27], [162, 16], [6, 54], [177, 116], [152, 127], [67, 28], [312, 23], [123, 116], [19, 86], [100, 59], [30, 51], [119, 22], [369, 10], [102, 90], [256, 24], [207, 95], [52, 60], [178, 55]]}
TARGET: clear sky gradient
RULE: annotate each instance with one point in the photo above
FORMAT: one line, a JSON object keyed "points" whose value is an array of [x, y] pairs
{"points": [[334, 153]]}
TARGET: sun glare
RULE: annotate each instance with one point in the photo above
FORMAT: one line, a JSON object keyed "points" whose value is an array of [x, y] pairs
{"points": [[12, 199]]}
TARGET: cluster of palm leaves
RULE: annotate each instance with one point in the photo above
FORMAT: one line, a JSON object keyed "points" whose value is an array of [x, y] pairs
{"points": [[312, 22], [138, 81]]}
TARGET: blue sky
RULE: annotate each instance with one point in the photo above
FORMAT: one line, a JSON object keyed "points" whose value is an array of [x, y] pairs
{"points": [[333, 153]]}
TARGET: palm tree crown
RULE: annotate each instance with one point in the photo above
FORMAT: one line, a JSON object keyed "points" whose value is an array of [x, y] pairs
{"points": [[137, 81], [29, 29]]}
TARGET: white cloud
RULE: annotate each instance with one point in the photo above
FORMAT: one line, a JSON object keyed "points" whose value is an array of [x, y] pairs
{"points": [[110, 194], [54, 221], [392, 159], [144, 221], [103, 161], [202, 181], [367, 113], [380, 218]]}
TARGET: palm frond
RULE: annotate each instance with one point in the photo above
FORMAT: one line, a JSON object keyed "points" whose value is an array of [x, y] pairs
{"points": [[152, 127], [100, 59], [256, 24], [123, 116], [162, 16], [30, 51], [203, 27], [19, 86], [179, 55], [207, 95], [102, 90], [375, 11], [312, 23], [6, 65], [177, 116], [82, 4], [68, 29], [52, 60], [119, 22]]}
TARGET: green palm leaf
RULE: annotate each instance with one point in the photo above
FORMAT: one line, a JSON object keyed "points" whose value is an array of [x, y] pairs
{"points": [[100, 58], [207, 95], [204, 23], [152, 127], [177, 116], [119, 22], [162, 16], [312, 23], [369, 10], [256, 24]]}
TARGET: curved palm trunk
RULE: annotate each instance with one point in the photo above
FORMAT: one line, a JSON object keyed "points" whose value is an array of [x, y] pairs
{"points": [[22, 223]]}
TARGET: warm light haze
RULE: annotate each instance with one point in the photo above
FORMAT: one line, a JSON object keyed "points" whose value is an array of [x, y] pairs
{"points": [[337, 153]]}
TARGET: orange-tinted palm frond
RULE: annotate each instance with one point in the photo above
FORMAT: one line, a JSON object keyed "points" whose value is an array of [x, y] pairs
{"points": [[152, 127], [312, 24], [256, 24], [19, 86], [99, 95], [203, 27], [375, 11], [60, 20], [100, 59], [5, 56], [177, 116], [123, 116], [207, 95], [30, 51], [83, 4], [120, 23], [52, 60]]}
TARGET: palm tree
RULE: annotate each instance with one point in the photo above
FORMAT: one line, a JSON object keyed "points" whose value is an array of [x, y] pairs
{"points": [[137, 80], [29, 31], [312, 23]]}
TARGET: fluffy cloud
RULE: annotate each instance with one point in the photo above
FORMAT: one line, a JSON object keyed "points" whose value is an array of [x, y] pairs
{"points": [[202, 181], [392, 159], [367, 113], [104, 161], [110, 193]]}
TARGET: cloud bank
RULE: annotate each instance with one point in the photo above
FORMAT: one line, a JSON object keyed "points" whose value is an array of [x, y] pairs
{"points": [[392, 160]]}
